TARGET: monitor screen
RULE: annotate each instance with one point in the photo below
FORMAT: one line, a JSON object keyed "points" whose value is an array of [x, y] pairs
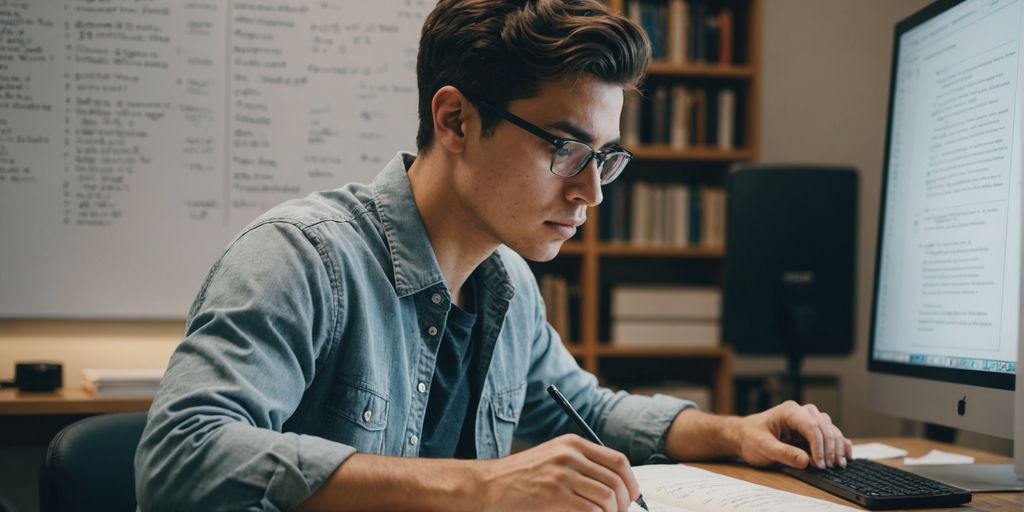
{"points": [[947, 290]]}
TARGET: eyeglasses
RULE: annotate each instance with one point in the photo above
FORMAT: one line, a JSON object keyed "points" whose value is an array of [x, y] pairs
{"points": [[570, 156]]}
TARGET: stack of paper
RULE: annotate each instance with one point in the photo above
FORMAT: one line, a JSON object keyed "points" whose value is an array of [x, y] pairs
{"points": [[938, 457], [877, 451], [134, 382]]}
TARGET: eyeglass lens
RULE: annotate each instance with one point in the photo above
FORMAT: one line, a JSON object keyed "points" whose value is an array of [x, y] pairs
{"points": [[570, 158]]}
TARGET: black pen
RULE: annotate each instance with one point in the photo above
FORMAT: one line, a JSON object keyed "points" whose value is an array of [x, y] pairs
{"points": [[568, 408]]}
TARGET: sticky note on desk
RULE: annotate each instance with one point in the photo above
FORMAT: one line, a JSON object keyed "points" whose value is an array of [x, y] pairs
{"points": [[938, 457], [877, 451]]}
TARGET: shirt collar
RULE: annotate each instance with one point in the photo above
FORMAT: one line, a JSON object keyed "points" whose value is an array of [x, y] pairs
{"points": [[412, 257]]}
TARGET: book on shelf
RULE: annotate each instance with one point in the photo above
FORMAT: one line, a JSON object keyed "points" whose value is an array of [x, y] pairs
{"points": [[679, 129], [554, 289], [665, 316], [725, 36], [679, 203], [653, 18], [697, 47], [661, 110], [680, 117], [712, 216], [699, 117], [686, 31], [726, 114], [678, 25], [666, 302], [640, 207], [666, 333], [663, 214], [696, 393], [631, 119], [612, 215]]}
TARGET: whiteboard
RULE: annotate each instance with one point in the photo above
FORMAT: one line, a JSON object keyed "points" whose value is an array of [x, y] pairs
{"points": [[137, 138]]}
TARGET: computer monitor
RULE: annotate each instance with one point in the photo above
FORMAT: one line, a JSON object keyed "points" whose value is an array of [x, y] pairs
{"points": [[946, 321]]}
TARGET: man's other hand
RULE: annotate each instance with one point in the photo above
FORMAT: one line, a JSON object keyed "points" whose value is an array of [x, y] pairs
{"points": [[794, 435], [566, 473]]}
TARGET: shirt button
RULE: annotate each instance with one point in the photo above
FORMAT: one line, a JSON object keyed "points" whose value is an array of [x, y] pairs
{"points": [[421, 387], [432, 330], [436, 298], [413, 440], [367, 415]]}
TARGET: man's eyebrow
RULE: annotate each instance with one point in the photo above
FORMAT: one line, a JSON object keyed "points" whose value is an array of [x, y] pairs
{"points": [[579, 133]]}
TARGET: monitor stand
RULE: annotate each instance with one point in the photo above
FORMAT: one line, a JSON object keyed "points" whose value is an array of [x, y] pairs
{"points": [[973, 477]]}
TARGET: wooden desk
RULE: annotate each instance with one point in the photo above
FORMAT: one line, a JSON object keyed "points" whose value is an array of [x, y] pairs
{"points": [[28, 421], [989, 502], [64, 402]]}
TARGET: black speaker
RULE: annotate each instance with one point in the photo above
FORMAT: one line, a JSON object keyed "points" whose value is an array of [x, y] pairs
{"points": [[38, 376], [790, 259]]}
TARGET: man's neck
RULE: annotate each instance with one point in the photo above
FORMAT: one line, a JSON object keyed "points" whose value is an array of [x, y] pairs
{"points": [[459, 241]]}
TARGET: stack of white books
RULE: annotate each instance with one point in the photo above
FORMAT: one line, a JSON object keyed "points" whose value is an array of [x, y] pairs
{"points": [[700, 395], [666, 316], [122, 382]]}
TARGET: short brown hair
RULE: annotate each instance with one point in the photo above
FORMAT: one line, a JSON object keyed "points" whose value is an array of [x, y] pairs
{"points": [[504, 50]]}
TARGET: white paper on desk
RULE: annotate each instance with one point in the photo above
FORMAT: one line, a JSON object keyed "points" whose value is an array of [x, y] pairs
{"points": [[938, 457], [877, 451], [681, 488]]}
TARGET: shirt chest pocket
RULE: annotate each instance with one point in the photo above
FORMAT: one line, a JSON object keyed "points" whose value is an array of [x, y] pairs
{"points": [[505, 409], [360, 418]]}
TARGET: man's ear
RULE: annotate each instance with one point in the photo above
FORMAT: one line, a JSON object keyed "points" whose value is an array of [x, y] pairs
{"points": [[448, 108]]}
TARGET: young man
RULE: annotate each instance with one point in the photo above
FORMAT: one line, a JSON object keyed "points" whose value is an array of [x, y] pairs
{"points": [[376, 347]]}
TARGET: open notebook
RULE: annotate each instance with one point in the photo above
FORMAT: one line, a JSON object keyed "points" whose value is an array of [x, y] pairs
{"points": [[678, 487]]}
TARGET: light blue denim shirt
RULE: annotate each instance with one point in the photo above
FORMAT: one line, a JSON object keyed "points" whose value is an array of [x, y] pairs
{"points": [[314, 337]]}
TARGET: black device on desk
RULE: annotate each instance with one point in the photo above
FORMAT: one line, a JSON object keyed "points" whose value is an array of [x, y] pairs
{"points": [[35, 376], [877, 486]]}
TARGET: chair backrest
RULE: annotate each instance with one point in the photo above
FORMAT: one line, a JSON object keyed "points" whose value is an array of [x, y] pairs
{"points": [[90, 464]]}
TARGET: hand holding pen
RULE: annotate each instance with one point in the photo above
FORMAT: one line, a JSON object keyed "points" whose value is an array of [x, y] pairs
{"points": [[587, 431], [565, 473]]}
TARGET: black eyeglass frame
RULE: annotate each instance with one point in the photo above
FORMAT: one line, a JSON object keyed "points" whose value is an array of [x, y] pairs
{"points": [[556, 141]]}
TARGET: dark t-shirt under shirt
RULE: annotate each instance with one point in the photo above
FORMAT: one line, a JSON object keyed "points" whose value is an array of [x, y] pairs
{"points": [[449, 423]]}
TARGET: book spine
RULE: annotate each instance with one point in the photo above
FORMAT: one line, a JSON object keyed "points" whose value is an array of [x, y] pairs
{"points": [[659, 115], [699, 24], [701, 113], [677, 31], [631, 119], [681, 211], [695, 216], [679, 138], [725, 36], [639, 206], [726, 118]]}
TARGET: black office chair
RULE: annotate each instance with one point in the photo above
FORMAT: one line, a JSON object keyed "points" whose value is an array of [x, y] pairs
{"points": [[90, 465]]}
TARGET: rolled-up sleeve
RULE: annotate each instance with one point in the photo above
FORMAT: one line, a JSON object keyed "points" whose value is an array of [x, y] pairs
{"points": [[256, 334], [632, 424]]}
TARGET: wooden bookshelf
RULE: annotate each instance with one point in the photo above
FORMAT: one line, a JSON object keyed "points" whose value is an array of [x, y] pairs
{"points": [[700, 70], [697, 154], [623, 249], [586, 259]]}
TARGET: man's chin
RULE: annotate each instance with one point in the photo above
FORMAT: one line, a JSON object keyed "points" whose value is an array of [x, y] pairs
{"points": [[539, 252]]}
